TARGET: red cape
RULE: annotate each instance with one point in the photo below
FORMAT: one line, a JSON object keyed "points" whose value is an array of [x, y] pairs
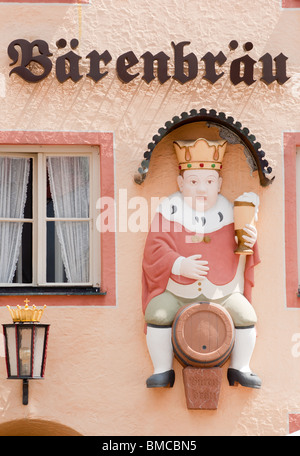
{"points": [[172, 240]]}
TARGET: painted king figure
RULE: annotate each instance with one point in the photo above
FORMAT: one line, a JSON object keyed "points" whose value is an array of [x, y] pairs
{"points": [[190, 257]]}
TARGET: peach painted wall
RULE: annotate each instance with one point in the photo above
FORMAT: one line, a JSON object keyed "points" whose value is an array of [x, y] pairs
{"points": [[97, 357]]}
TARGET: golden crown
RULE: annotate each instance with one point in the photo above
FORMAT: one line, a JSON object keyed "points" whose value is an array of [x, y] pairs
{"points": [[26, 314], [200, 154]]}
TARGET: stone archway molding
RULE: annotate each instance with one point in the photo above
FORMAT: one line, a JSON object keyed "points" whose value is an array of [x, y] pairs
{"points": [[229, 129]]}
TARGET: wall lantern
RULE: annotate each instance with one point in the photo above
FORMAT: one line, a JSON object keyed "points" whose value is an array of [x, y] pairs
{"points": [[25, 345]]}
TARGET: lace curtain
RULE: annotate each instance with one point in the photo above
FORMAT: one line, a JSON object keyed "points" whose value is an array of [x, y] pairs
{"points": [[14, 174], [69, 186]]}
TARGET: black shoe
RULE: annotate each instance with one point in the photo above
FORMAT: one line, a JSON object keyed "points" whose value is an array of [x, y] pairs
{"points": [[162, 380], [247, 379]]}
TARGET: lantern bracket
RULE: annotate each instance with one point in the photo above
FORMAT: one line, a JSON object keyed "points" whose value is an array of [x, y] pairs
{"points": [[25, 391]]}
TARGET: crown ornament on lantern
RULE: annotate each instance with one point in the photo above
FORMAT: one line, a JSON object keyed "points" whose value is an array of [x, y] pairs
{"points": [[200, 154], [26, 314]]}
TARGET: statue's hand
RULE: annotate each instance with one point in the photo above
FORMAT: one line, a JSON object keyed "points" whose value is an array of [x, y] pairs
{"points": [[194, 268], [251, 236]]}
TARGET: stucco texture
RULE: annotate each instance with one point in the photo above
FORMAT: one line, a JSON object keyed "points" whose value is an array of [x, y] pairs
{"points": [[97, 356]]}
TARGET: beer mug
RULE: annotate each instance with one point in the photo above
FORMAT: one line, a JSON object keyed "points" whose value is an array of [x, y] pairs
{"points": [[244, 213]]}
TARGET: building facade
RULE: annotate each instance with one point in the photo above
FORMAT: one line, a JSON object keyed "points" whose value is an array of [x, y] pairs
{"points": [[93, 94]]}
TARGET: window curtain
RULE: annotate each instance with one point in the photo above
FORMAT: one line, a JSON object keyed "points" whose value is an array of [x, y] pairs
{"points": [[14, 175], [69, 186]]}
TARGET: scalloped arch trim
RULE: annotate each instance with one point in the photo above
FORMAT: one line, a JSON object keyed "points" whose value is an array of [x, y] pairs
{"points": [[241, 134]]}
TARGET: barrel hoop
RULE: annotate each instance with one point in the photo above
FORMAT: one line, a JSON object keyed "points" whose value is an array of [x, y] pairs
{"points": [[221, 359], [158, 326]]}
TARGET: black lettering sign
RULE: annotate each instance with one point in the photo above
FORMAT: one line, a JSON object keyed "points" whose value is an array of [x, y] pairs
{"points": [[267, 73], [124, 62], [33, 64], [242, 69], [210, 66], [67, 66], [190, 60], [27, 56], [95, 60], [162, 67]]}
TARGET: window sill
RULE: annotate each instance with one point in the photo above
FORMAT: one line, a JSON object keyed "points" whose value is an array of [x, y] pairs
{"points": [[35, 291]]}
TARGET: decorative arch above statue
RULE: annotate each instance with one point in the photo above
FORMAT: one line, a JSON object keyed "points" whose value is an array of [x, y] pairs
{"points": [[229, 129]]}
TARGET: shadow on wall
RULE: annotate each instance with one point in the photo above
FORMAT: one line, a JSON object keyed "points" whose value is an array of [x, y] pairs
{"points": [[35, 428]]}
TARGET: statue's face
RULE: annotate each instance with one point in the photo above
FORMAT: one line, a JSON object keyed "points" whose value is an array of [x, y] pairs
{"points": [[200, 187]]}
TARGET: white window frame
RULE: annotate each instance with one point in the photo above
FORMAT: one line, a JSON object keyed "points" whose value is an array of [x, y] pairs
{"points": [[39, 154]]}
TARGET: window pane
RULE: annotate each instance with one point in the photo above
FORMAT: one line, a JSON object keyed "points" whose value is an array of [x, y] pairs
{"points": [[55, 266], [68, 242], [68, 187], [23, 273], [14, 177], [28, 202], [68, 247], [17, 267], [15, 203]]}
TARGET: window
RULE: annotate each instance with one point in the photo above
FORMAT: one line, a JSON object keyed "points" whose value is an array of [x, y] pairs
{"points": [[292, 220], [37, 146], [47, 208]]}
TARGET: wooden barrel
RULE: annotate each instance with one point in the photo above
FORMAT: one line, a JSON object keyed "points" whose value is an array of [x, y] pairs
{"points": [[202, 335]]}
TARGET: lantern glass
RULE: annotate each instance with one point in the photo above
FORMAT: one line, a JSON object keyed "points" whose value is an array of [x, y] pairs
{"points": [[25, 350], [11, 350], [39, 351]]}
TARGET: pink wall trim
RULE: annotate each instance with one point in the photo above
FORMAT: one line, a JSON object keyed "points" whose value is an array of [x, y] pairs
{"points": [[294, 422], [291, 141], [108, 253], [290, 3]]}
